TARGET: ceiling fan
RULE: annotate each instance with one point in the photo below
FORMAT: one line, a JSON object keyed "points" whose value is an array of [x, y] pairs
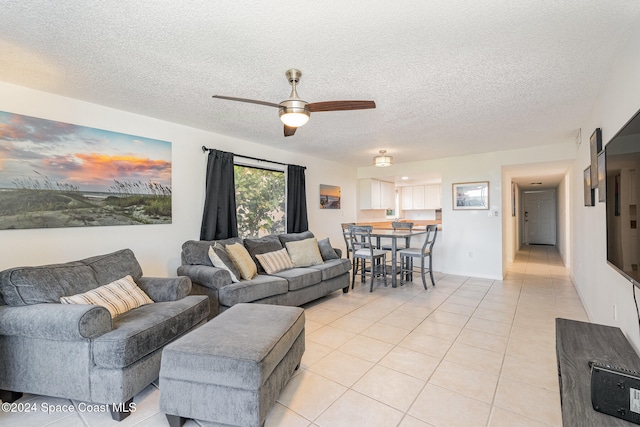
{"points": [[294, 112]]}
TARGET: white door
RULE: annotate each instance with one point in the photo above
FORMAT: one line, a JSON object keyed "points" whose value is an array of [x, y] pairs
{"points": [[540, 217]]}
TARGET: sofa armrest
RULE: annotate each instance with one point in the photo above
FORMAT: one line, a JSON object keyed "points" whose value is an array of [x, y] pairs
{"points": [[66, 322], [338, 252], [163, 289], [210, 277]]}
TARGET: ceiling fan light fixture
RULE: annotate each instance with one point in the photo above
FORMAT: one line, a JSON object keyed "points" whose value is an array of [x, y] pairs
{"points": [[294, 112], [382, 160]]}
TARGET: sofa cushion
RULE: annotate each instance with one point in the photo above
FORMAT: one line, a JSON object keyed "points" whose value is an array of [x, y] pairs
{"points": [[299, 278], [242, 260], [114, 266], [326, 250], [47, 283], [304, 253], [261, 286], [196, 252], [220, 259], [118, 296], [262, 245], [146, 329], [275, 261], [333, 268], [293, 237]]}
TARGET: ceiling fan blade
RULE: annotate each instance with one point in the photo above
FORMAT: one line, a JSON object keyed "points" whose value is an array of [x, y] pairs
{"points": [[252, 101], [289, 130], [315, 107]]}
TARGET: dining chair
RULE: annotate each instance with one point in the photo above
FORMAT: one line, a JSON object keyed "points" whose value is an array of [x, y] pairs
{"points": [[426, 251], [364, 251], [347, 238], [397, 225]]}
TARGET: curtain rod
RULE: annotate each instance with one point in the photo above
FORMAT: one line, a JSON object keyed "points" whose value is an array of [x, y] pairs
{"points": [[205, 149]]}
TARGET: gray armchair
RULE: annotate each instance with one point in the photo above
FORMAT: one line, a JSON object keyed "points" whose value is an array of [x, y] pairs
{"points": [[78, 351]]}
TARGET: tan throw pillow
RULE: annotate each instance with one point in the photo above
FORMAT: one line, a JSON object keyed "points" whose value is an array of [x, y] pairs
{"points": [[304, 253], [275, 261], [118, 297], [241, 259], [218, 262]]}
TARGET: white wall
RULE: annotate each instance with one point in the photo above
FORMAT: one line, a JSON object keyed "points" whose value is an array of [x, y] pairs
{"points": [[472, 241], [157, 247], [601, 287]]}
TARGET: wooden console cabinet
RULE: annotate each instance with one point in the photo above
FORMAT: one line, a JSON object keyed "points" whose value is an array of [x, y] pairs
{"points": [[578, 343]]}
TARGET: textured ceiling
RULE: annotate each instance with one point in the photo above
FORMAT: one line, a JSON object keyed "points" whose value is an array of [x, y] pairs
{"points": [[449, 77]]}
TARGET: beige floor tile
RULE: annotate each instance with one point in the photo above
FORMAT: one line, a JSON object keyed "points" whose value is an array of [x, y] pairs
{"points": [[489, 326], [453, 319], [352, 323], [494, 316], [464, 310], [330, 336], [367, 348], [354, 409], [341, 367], [403, 321], [427, 344], [471, 302], [464, 380], [391, 387], [386, 333], [440, 330], [530, 350], [322, 315], [416, 364], [532, 402], [309, 394], [544, 375], [484, 340], [409, 421], [281, 416], [313, 352], [414, 310], [475, 357], [503, 418], [442, 407], [147, 404]]}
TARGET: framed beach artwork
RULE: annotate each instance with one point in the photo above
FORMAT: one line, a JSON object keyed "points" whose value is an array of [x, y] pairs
{"points": [[55, 174], [329, 196], [471, 195]]}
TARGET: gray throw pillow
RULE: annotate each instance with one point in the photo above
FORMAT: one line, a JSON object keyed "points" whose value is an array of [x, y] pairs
{"points": [[326, 250], [260, 246], [294, 237], [222, 254]]}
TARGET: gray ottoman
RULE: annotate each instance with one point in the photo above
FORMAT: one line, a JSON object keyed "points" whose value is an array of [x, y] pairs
{"points": [[231, 370]]}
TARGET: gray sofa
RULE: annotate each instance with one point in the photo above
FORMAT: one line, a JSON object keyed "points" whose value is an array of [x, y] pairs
{"points": [[78, 351], [292, 287]]}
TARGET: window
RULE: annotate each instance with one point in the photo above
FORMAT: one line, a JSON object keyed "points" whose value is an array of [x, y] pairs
{"points": [[260, 201]]}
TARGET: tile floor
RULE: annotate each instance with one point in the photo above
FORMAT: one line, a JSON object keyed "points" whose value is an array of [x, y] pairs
{"points": [[469, 352]]}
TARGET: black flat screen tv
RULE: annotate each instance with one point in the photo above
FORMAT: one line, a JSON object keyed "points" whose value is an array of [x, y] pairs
{"points": [[622, 166]]}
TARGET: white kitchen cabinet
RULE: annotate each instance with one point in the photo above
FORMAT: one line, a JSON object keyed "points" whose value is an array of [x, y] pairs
{"points": [[407, 198], [432, 197], [376, 194], [421, 197]]}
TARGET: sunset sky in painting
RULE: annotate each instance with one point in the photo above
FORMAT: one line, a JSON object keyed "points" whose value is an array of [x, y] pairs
{"points": [[86, 157]]}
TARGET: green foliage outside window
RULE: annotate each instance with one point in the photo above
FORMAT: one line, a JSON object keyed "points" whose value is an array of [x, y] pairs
{"points": [[260, 200]]}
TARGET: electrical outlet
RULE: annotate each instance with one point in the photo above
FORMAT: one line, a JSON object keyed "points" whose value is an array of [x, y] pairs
{"points": [[470, 254]]}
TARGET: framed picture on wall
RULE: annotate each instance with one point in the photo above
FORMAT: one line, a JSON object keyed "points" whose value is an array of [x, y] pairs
{"points": [[329, 196], [588, 190], [471, 195], [595, 144], [602, 178]]}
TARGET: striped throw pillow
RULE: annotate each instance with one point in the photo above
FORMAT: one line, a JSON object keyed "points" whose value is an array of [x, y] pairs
{"points": [[118, 297], [272, 262]]}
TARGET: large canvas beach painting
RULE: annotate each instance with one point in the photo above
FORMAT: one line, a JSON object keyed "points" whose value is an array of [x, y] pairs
{"points": [[55, 174]]}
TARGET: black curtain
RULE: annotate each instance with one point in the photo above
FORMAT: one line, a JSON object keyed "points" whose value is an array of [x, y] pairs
{"points": [[219, 218], [297, 221]]}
